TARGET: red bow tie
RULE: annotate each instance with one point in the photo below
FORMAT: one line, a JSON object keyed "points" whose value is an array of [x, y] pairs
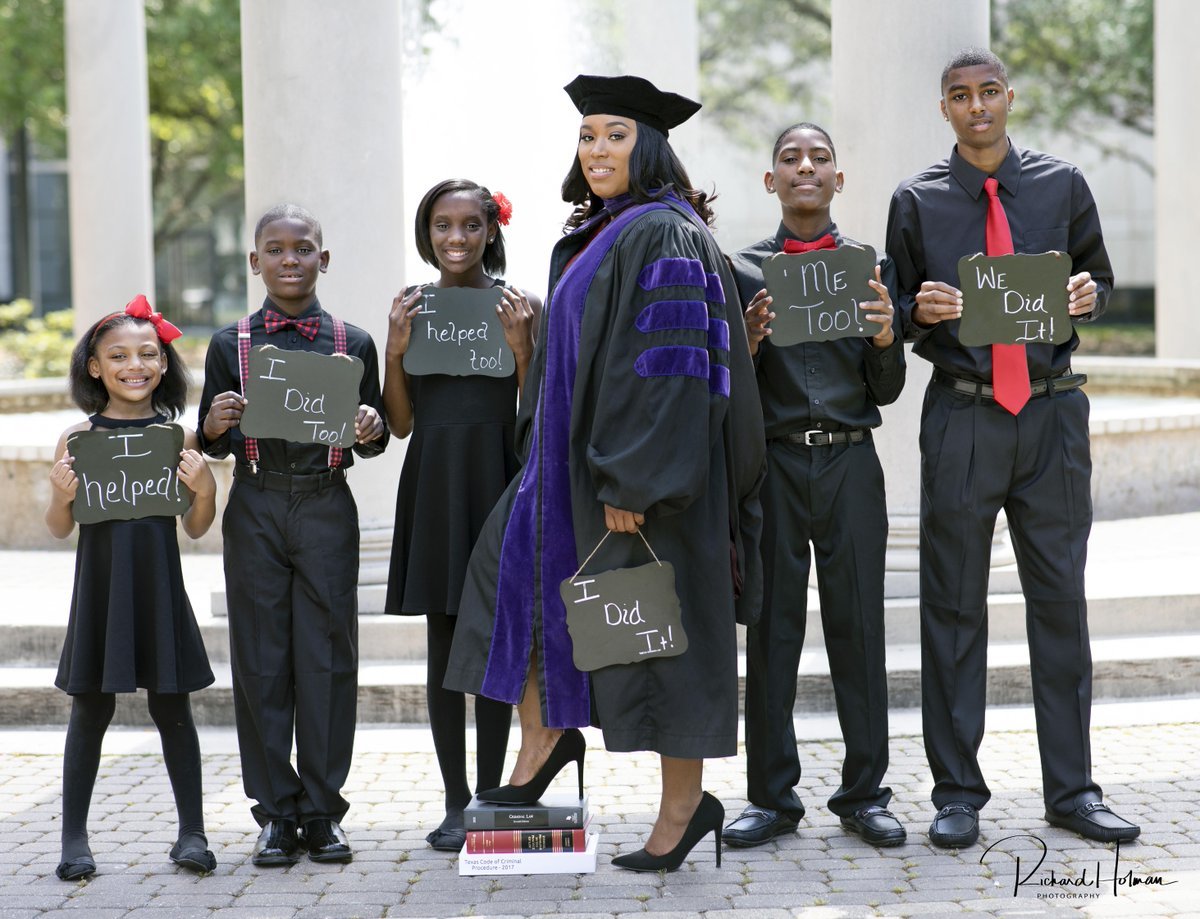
{"points": [[274, 321], [798, 245]]}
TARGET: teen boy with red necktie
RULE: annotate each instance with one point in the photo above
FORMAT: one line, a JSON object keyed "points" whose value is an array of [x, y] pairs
{"points": [[1002, 427]]}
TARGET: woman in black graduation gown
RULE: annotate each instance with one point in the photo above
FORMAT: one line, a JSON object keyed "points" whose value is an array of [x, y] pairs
{"points": [[642, 414]]}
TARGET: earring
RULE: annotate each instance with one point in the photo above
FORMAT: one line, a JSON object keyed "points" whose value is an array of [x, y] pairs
{"points": [[491, 239]]}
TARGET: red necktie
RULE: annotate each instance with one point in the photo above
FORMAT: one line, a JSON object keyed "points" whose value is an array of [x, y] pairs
{"points": [[274, 321], [822, 242], [1010, 372]]}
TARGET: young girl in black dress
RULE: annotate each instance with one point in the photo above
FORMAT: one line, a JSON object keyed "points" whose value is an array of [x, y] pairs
{"points": [[459, 461], [131, 624]]}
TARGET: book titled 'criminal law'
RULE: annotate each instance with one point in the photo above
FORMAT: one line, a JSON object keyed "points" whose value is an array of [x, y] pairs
{"points": [[552, 812]]}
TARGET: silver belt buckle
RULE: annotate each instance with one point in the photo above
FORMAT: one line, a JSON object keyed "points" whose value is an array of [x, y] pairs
{"points": [[809, 435]]}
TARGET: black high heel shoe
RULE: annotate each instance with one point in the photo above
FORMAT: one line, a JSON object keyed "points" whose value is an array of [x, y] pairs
{"points": [[570, 746], [709, 815]]}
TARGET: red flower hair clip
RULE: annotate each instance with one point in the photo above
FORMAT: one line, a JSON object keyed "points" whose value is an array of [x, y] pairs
{"points": [[505, 206]]}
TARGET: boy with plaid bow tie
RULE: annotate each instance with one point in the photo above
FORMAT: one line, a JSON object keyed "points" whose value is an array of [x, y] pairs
{"points": [[291, 556]]}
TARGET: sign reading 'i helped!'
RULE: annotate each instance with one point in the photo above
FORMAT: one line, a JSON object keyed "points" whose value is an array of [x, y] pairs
{"points": [[128, 473]]}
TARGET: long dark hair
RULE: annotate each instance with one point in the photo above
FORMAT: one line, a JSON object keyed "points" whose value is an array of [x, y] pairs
{"points": [[654, 170], [494, 259], [170, 396]]}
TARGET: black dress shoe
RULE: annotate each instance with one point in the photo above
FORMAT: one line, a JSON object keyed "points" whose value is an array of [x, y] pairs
{"points": [[326, 841], [875, 825], [277, 845], [1094, 820], [450, 836], [955, 826], [570, 747], [708, 817], [757, 825], [194, 857], [76, 869]]}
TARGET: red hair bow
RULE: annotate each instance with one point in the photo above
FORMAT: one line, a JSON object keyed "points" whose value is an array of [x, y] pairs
{"points": [[505, 206], [139, 308]]}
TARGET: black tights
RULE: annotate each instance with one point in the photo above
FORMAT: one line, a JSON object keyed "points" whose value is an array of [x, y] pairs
{"points": [[91, 714], [448, 722]]}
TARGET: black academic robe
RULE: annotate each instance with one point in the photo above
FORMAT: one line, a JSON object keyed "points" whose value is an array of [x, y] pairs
{"points": [[641, 396]]}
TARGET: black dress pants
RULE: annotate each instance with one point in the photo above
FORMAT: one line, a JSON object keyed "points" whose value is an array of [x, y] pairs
{"points": [[833, 498], [976, 459], [291, 578]]}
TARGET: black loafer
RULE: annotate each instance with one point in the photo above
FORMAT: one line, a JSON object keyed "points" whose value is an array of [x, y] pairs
{"points": [[326, 841], [1094, 820], [875, 825], [955, 826], [76, 869], [277, 845], [757, 825], [447, 839]]}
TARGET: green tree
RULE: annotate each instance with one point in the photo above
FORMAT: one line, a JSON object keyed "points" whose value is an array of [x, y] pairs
{"points": [[763, 63], [194, 65], [1086, 65]]}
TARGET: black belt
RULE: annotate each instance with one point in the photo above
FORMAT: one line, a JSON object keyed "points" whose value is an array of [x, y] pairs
{"points": [[824, 438], [1047, 386], [293, 484]]}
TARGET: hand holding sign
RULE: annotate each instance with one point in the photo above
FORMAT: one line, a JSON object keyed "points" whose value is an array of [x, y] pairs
{"points": [[459, 332], [302, 396], [1014, 299], [818, 296]]}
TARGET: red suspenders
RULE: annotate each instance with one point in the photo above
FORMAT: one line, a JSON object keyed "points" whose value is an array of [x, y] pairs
{"points": [[243, 334]]}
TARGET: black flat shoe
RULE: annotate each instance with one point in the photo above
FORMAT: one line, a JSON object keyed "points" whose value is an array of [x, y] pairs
{"points": [[709, 816], [876, 826], [1094, 820], [277, 845], [194, 858], [756, 826], [570, 747], [956, 826], [76, 869], [326, 841], [450, 836]]}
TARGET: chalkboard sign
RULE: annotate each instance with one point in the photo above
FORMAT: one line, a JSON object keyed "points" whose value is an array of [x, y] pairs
{"points": [[623, 616], [127, 473], [303, 397], [458, 332], [816, 294], [1014, 299]]}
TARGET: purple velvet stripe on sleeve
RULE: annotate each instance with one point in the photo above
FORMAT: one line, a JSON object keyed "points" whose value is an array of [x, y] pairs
{"points": [[718, 380], [718, 334], [673, 314], [714, 291], [673, 361], [672, 272]]}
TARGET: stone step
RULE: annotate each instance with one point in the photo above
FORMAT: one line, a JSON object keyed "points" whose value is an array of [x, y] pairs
{"points": [[401, 639], [394, 693]]}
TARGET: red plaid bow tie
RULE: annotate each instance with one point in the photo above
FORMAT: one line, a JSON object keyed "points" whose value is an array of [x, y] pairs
{"points": [[821, 242], [274, 321]]}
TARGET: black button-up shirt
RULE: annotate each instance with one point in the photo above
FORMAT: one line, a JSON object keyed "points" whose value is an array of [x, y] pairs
{"points": [[819, 385], [940, 215], [221, 374]]}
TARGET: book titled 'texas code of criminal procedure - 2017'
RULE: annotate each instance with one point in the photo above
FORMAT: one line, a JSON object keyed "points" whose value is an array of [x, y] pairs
{"points": [[552, 812], [498, 863], [485, 842]]}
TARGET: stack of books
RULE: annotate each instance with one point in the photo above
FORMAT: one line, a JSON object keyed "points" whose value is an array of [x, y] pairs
{"points": [[551, 836]]}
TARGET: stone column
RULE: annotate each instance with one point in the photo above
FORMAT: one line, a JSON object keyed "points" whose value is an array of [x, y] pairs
{"points": [[1177, 184], [887, 65], [662, 44], [321, 90], [108, 144]]}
